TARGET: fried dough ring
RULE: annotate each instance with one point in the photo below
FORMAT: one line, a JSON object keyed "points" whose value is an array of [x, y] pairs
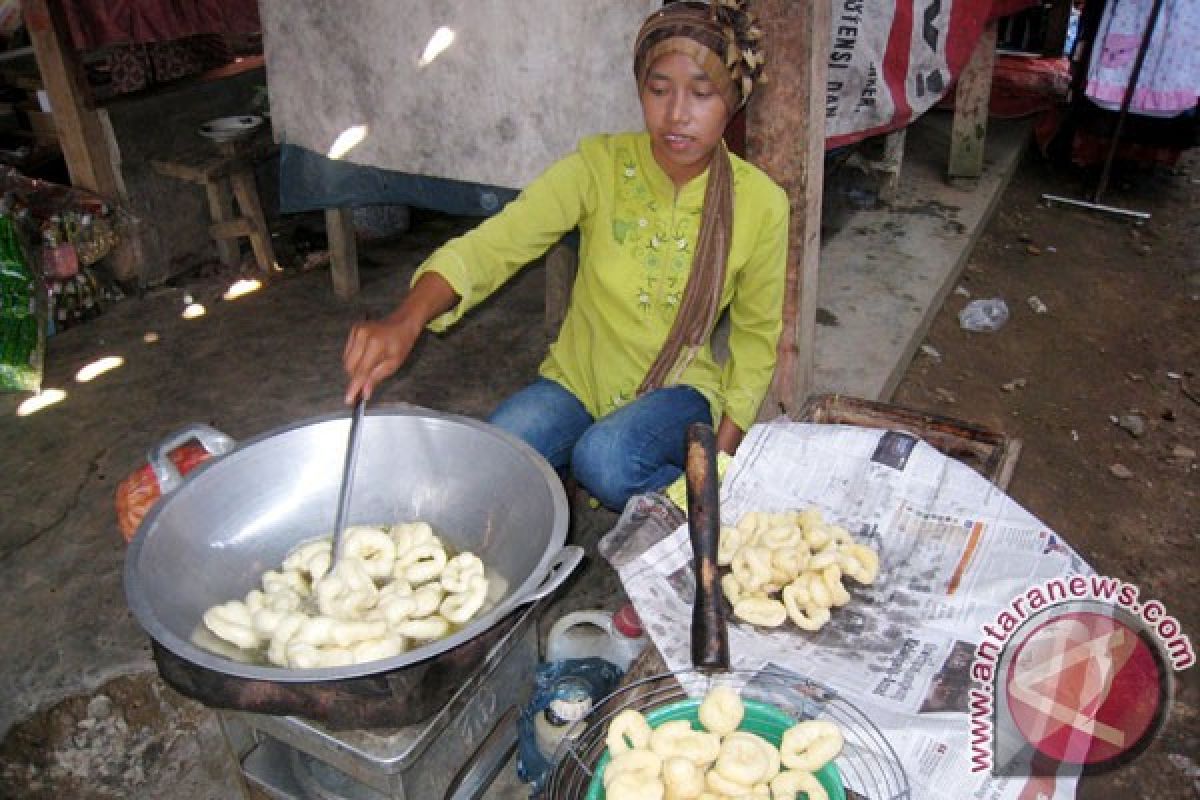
{"points": [[723, 787], [459, 607], [790, 783], [284, 631], [823, 559], [634, 786], [426, 628], [860, 563], [730, 587], [373, 547], [303, 655], [408, 535], [421, 564], [752, 567], [800, 610], [676, 738], [640, 762], [742, 759], [729, 542], [274, 582], [347, 591], [832, 578], [377, 649], [311, 559], [427, 599], [786, 535], [682, 779], [765, 612], [721, 711], [628, 731], [233, 623], [460, 571], [810, 745]]}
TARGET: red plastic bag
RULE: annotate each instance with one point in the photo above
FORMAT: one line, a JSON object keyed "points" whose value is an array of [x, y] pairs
{"points": [[138, 493]]}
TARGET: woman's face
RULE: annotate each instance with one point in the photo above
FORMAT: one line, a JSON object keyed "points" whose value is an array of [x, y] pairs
{"points": [[684, 115]]}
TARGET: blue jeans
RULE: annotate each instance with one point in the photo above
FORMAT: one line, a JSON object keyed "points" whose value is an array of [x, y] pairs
{"points": [[637, 448]]}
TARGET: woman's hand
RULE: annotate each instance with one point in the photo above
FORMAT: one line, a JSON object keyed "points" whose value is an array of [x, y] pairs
{"points": [[729, 436], [376, 349]]}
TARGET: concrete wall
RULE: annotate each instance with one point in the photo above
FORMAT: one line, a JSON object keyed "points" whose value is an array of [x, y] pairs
{"points": [[522, 81], [173, 215]]}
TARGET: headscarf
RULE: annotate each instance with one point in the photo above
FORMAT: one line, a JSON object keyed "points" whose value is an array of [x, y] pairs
{"points": [[722, 38]]}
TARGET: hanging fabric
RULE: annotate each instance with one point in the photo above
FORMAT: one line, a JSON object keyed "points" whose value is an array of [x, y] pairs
{"points": [[1170, 78]]}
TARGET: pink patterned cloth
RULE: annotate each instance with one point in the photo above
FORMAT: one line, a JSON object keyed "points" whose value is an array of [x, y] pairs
{"points": [[1170, 80], [97, 23]]}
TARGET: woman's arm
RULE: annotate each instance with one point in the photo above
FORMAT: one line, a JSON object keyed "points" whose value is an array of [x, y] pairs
{"points": [[756, 313], [376, 349], [465, 270]]}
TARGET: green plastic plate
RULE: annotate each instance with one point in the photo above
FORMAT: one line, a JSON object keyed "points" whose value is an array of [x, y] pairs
{"points": [[761, 718]]}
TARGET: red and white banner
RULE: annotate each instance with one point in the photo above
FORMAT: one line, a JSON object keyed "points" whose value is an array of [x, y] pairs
{"points": [[892, 60]]}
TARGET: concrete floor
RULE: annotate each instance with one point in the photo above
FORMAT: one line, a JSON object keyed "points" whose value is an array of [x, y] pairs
{"points": [[272, 357]]}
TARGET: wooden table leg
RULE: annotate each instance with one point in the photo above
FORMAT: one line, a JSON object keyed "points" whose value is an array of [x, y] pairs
{"points": [[260, 236], [220, 208], [971, 95], [343, 252]]}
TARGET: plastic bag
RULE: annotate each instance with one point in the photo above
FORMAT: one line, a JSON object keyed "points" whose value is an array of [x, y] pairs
{"points": [[984, 315], [601, 676], [22, 313], [138, 493]]}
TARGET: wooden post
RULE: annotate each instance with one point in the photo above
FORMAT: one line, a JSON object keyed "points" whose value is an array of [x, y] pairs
{"points": [[80, 132], [343, 252], [785, 136], [971, 95]]}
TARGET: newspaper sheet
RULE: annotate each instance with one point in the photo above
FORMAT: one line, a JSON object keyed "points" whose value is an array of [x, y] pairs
{"points": [[954, 550]]}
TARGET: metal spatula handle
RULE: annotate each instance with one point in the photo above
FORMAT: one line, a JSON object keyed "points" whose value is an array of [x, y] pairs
{"points": [[343, 505]]}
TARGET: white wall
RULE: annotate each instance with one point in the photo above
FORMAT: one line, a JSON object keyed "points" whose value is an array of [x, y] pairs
{"points": [[521, 83]]}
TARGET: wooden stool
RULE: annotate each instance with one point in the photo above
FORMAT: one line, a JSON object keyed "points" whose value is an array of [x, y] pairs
{"points": [[227, 174]]}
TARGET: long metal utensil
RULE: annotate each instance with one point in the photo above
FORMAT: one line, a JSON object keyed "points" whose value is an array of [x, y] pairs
{"points": [[347, 477]]}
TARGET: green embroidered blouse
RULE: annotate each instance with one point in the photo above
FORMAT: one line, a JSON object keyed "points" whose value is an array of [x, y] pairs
{"points": [[636, 244]]}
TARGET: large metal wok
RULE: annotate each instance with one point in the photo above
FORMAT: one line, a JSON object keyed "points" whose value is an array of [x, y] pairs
{"points": [[213, 534]]}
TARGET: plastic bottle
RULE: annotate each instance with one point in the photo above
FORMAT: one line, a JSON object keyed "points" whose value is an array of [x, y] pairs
{"points": [[562, 690], [570, 702], [615, 637]]}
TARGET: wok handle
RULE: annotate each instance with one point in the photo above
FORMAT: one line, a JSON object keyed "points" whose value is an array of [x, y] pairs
{"points": [[168, 477], [710, 639], [563, 565]]}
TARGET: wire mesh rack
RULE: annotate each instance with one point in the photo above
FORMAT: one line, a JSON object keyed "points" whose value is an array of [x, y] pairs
{"points": [[868, 765]]}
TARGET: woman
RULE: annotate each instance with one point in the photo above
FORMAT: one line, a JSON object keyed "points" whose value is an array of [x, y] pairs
{"points": [[674, 232]]}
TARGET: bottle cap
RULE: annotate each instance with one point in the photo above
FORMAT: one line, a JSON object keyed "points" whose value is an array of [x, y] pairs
{"points": [[627, 622], [566, 710]]}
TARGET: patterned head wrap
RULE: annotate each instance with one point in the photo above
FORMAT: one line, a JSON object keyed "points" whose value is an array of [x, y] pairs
{"points": [[723, 40], [721, 37]]}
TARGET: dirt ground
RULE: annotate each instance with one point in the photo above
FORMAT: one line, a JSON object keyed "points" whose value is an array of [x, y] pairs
{"points": [[1118, 344], [1103, 389]]}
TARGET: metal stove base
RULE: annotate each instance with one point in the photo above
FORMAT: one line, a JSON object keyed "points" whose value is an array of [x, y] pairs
{"points": [[455, 755]]}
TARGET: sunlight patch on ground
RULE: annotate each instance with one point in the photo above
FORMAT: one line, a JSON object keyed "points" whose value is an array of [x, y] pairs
{"points": [[242, 288], [194, 311], [98, 367], [43, 399]]}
